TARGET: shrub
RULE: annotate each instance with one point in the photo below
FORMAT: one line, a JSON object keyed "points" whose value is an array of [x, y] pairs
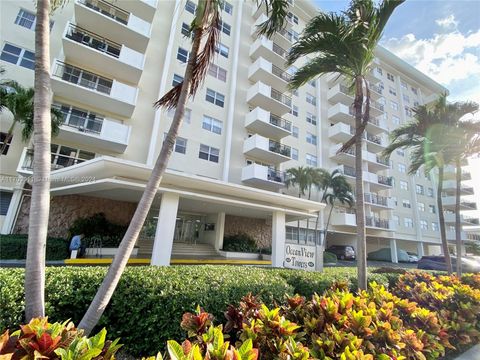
{"points": [[329, 258], [97, 225], [15, 247], [240, 242]]}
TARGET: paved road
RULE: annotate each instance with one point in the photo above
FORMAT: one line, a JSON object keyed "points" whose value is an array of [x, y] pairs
{"points": [[346, 263]]}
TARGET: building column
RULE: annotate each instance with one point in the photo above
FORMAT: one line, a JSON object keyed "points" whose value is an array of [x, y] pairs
{"points": [[219, 230], [393, 250], [167, 217], [9, 220], [278, 238], [420, 251]]}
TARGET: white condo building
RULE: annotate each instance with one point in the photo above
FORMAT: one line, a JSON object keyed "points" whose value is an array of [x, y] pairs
{"points": [[112, 60]]}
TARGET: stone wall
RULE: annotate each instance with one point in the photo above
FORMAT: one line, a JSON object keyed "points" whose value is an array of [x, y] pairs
{"points": [[258, 229], [64, 210]]}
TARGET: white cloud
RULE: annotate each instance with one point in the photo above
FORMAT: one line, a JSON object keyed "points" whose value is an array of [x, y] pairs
{"points": [[448, 22]]}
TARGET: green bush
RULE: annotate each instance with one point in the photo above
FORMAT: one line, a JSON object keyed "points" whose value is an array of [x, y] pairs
{"points": [[329, 258], [14, 247], [240, 242], [97, 226]]}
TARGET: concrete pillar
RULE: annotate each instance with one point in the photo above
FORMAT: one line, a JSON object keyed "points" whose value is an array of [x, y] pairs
{"points": [[219, 230], [167, 217], [393, 250], [420, 250], [9, 220], [278, 238]]}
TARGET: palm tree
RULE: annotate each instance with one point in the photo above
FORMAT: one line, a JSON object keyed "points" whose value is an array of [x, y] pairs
{"points": [[344, 44], [19, 101], [205, 37]]}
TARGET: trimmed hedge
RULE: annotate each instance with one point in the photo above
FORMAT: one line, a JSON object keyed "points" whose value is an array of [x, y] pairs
{"points": [[14, 247], [147, 307]]}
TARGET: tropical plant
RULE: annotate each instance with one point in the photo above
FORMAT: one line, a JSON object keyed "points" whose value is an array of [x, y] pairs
{"points": [[205, 34], [345, 43]]}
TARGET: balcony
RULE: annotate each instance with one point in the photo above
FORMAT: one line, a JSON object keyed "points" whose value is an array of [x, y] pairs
{"points": [[263, 71], [377, 182], [269, 50], [452, 237], [464, 220], [450, 187], [260, 175], [375, 143], [378, 223], [335, 78], [339, 93], [376, 91], [377, 201], [265, 123], [268, 98], [449, 204], [83, 86], [340, 132], [144, 9], [350, 220], [267, 150], [92, 130], [345, 157], [342, 113], [282, 38], [93, 51], [113, 23], [376, 108], [344, 219], [376, 162]]}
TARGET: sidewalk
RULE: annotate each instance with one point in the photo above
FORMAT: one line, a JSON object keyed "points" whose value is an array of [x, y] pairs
{"points": [[472, 354]]}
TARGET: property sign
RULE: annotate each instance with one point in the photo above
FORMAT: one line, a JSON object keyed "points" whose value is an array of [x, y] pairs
{"points": [[299, 257]]}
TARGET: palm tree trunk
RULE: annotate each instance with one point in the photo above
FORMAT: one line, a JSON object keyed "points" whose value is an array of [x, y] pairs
{"points": [[441, 220], [9, 136], [328, 223], [361, 233], [458, 230], [119, 263], [40, 199]]}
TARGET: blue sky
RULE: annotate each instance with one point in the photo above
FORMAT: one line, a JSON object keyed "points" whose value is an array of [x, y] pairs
{"points": [[439, 37]]}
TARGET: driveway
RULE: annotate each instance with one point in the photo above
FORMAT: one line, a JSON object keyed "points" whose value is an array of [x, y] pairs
{"points": [[370, 263]]}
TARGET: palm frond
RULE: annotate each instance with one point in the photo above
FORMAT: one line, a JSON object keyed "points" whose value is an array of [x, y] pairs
{"points": [[276, 11]]}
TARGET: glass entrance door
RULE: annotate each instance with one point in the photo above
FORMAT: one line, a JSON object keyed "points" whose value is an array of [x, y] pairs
{"points": [[188, 228]]}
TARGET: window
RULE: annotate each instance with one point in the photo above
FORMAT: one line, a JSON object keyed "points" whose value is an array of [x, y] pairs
{"points": [[292, 18], [423, 225], [406, 204], [403, 185], [311, 139], [218, 72], [434, 226], [396, 219], [215, 98], [294, 110], [430, 192], [224, 27], [312, 119], [209, 153], [212, 124], [5, 198], [406, 98], [408, 222], [294, 154], [414, 90], [394, 199], [312, 83], [292, 35], [402, 168], [26, 19], [431, 209], [187, 116], [177, 79], [185, 29], [311, 160], [421, 206], [291, 70], [392, 90], [180, 145], [222, 50], [390, 77], [379, 70], [404, 85], [295, 131], [64, 156], [419, 189], [227, 7], [191, 7], [3, 137], [393, 105], [408, 111], [18, 56], [395, 120], [311, 99], [400, 152], [182, 55]]}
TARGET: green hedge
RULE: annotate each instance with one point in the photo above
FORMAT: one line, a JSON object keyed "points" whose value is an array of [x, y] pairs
{"points": [[14, 247], [147, 307]]}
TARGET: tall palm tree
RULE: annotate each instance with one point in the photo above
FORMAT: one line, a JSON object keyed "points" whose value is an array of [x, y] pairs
{"points": [[19, 101], [205, 38], [345, 43]]}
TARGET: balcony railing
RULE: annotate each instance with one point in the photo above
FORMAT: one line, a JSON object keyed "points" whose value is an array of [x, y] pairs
{"points": [[285, 34], [107, 9], [385, 180], [376, 88], [373, 138], [280, 73], [276, 175], [376, 199], [471, 220], [277, 49], [58, 161], [383, 161], [83, 78], [279, 148], [377, 105], [80, 119], [280, 122], [377, 222], [349, 171], [92, 40], [284, 99]]}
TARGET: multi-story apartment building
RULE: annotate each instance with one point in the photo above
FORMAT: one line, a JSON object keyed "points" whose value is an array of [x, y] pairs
{"points": [[112, 60]]}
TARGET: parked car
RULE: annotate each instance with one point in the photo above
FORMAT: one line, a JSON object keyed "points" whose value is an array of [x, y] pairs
{"points": [[412, 257], [438, 263], [343, 252], [384, 254]]}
